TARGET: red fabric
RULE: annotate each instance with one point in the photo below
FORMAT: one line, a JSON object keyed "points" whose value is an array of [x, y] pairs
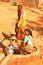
{"points": [[20, 36]]}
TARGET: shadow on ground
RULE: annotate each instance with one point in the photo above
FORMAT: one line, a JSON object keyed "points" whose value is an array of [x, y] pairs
{"points": [[36, 26]]}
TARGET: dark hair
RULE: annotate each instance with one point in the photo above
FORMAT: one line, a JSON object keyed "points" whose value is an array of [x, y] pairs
{"points": [[28, 30], [20, 6], [19, 11]]}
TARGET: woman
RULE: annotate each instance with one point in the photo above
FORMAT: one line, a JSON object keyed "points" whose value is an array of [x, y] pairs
{"points": [[21, 18], [28, 42]]}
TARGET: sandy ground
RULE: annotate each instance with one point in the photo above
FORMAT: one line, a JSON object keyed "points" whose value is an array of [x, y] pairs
{"points": [[8, 14]]}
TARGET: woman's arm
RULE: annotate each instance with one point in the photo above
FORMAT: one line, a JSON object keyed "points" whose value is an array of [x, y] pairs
{"points": [[22, 13]]}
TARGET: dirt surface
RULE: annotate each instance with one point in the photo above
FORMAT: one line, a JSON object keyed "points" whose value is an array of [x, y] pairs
{"points": [[8, 14], [25, 61]]}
